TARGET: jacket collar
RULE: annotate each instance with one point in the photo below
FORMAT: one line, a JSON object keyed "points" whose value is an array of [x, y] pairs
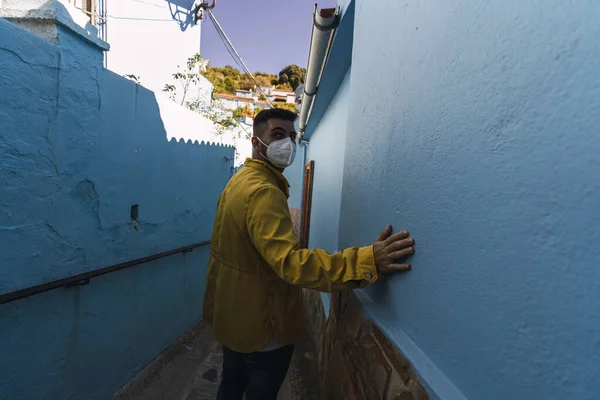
{"points": [[262, 166]]}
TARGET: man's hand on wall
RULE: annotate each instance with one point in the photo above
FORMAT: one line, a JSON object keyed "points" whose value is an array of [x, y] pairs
{"points": [[390, 250]]}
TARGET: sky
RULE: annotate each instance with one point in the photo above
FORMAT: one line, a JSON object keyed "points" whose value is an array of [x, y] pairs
{"points": [[268, 34]]}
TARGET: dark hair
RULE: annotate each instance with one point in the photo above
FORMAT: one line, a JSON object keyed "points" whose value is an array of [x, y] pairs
{"points": [[271, 113]]}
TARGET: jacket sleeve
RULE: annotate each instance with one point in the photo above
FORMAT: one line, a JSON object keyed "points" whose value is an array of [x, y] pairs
{"points": [[270, 229]]}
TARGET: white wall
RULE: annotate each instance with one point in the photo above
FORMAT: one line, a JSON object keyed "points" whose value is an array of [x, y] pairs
{"points": [[181, 123], [149, 43]]}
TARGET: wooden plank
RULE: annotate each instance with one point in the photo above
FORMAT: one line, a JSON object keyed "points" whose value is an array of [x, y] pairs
{"points": [[307, 190]]}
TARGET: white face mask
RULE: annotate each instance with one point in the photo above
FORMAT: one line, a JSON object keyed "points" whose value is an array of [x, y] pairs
{"points": [[281, 153]]}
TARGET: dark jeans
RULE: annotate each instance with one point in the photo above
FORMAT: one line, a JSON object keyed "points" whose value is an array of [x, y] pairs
{"points": [[260, 374]]}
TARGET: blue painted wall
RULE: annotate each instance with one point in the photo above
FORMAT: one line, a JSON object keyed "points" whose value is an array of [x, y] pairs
{"points": [[295, 176], [80, 145], [475, 126], [335, 70], [327, 149]]}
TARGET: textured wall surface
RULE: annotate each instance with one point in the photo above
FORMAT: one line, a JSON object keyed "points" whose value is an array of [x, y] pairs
{"points": [[295, 176], [327, 148], [480, 136], [355, 360], [79, 146], [150, 49]]}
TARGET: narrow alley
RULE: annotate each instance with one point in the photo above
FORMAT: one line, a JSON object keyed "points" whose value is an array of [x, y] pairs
{"points": [[423, 222], [190, 369]]}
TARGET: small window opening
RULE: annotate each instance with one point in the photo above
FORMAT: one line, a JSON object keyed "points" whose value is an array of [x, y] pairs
{"points": [[135, 212]]}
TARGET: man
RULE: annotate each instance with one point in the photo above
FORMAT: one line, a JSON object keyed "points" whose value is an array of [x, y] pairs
{"points": [[256, 268]]}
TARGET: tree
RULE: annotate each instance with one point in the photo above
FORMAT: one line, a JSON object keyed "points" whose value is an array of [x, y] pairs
{"points": [[191, 75], [292, 75], [171, 89], [245, 111], [223, 119], [227, 80], [286, 106], [285, 86], [133, 77]]}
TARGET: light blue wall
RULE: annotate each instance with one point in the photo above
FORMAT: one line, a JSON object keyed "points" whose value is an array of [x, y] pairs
{"points": [[475, 126], [327, 149], [295, 176], [335, 70], [80, 145], [326, 132]]}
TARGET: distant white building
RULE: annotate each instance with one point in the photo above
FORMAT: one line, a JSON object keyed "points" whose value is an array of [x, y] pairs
{"points": [[233, 102], [276, 95], [283, 95], [255, 98], [244, 93], [299, 93]]}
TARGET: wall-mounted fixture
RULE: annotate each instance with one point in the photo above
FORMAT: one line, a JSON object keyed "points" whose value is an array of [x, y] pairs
{"points": [[325, 23]]}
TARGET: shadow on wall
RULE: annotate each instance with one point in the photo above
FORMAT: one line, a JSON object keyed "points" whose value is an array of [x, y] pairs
{"points": [[182, 11], [80, 148]]}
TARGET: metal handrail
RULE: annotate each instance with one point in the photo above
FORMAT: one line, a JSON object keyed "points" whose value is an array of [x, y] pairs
{"points": [[84, 278]]}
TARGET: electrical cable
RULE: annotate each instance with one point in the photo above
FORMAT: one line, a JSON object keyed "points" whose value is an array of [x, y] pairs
{"points": [[237, 57]]}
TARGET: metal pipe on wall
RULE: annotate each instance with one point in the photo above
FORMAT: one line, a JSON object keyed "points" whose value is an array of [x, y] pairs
{"points": [[325, 23]]}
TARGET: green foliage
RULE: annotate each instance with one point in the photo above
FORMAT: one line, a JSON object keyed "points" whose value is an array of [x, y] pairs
{"points": [[133, 77], [245, 111], [227, 80], [285, 86], [292, 75], [171, 89], [190, 75], [286, 106], [223, 119]]}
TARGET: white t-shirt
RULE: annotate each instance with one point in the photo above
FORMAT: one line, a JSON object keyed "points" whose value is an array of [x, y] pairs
{"points": [[273, 345]]}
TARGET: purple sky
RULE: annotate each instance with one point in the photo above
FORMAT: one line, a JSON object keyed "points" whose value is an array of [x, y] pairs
{"points": [[268, 34]]}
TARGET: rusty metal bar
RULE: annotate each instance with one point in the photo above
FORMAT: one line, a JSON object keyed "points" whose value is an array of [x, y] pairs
{"points": [[84, 278]]}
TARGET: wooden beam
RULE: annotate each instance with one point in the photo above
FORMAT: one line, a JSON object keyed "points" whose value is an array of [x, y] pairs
{"points": [[309, 173]]}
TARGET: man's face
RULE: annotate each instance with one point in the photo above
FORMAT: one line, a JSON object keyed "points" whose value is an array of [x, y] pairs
{"points": [[273, 130], [277, 129]]}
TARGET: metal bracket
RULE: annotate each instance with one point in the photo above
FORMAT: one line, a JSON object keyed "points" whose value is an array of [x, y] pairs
{"points": [[201, 8]]}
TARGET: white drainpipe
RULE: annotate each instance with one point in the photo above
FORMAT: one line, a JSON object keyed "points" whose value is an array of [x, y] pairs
{"points": [[325, 23]]}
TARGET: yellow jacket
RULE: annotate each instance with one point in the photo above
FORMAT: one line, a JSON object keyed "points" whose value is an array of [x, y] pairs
{"points": [[257, 269]]}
